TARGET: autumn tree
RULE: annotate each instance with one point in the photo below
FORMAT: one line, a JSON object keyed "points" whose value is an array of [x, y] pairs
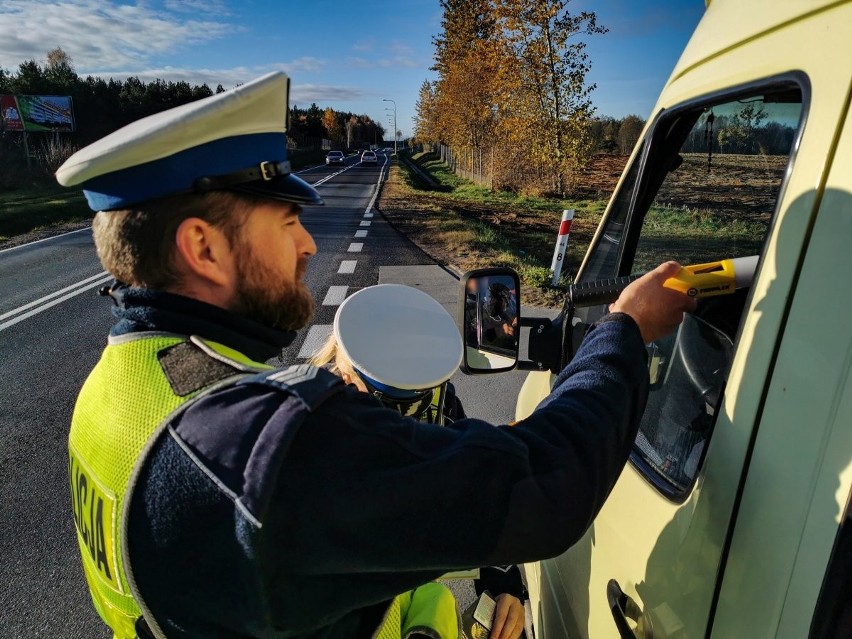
{"points": [[629, 132], [549, 89], [352, 126], [461, 104], [59, 69], [332, 125], [512, 79], [463, 24], [740, 133], [425, 122]]}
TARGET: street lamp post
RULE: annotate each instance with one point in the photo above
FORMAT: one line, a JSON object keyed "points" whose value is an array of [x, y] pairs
{"points": [[394, 122]]}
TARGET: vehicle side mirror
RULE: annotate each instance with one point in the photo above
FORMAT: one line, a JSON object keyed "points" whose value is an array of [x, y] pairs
{"points": [[489, 316]]}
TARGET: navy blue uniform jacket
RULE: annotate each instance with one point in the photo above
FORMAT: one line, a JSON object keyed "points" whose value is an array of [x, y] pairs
{"points": [[366, 503]]}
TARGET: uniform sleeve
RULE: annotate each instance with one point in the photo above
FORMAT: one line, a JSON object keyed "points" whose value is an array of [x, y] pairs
{"points": [[369, 501], [367, 504]]}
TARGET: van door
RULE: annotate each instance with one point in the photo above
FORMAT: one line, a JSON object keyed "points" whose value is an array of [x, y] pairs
{"points": [[789, 550], [725, 173]]}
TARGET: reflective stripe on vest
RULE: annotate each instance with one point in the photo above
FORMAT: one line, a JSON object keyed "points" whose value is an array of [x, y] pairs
{"points": [[429, 610], [121, 405]]}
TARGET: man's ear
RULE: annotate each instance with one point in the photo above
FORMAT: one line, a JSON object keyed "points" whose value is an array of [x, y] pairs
{"points": [[203, 252]]}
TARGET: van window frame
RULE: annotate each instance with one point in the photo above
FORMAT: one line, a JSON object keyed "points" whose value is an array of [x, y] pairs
{"points": [[654, 144]]}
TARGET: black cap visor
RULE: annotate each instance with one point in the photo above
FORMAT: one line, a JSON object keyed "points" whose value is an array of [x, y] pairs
{"points": [[286, 188]]}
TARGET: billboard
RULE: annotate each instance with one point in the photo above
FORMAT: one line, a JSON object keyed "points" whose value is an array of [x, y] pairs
{"points": [[36, 113]]}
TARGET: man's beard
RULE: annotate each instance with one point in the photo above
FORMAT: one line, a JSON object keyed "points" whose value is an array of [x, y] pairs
{"points": [[286, 306]]}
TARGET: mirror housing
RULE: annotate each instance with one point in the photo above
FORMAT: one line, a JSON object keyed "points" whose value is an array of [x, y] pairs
{"points": [[489, 318]]}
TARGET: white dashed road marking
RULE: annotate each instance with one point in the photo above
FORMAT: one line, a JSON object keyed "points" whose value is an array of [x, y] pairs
{"points": [[335, 296], [317, 335], [347, 266]]}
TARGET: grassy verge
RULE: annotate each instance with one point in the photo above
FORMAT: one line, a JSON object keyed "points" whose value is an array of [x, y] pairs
{"points": [[468, 226], [45, 208], [40, 209], [696, 213]]}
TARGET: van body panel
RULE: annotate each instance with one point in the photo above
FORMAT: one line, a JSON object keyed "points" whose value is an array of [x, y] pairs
{"points": [[745, 552], [727, 24], [535, 388], [799, 477]]}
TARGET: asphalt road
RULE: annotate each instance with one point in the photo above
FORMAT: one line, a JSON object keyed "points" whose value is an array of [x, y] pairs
{"points": [[52, 329]]}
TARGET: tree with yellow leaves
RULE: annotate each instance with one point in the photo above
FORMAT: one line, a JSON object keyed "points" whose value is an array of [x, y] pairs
{"points": [[332, 125], [512, 80]]}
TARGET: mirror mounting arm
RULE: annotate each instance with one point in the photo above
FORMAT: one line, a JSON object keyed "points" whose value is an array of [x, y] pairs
{"points": [[544, 346]]}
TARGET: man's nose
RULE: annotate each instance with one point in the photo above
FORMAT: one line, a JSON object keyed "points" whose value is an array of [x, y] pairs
{"points": [[307, 246]]}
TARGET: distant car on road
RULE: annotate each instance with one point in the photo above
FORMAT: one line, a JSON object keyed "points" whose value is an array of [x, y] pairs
{"points": [[334, 157], [369, 157]]}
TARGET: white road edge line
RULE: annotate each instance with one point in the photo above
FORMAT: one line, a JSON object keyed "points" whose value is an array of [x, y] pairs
{"points": [[45, 239], [378, 184], [36, 311]]}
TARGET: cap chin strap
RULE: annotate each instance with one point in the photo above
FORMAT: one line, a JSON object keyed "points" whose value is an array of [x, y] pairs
{"points": [[265, 171]]}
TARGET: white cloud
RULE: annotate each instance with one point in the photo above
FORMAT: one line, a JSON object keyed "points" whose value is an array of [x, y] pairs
{"points": [[300, 94], [364, 45], [216, 7], [389, 63], [358, 63], [381, 63], [400, 49], [97, 34], [304, 94], [305, 64], [226, 77]]}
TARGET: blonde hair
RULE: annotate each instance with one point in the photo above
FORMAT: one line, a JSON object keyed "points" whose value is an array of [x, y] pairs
{"points": [[331, 357]]}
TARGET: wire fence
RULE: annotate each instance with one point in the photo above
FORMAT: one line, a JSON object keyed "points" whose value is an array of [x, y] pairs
{"points": [[499, 168]]}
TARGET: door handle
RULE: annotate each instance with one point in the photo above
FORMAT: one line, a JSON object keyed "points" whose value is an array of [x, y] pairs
{"points": [[624, 608]]}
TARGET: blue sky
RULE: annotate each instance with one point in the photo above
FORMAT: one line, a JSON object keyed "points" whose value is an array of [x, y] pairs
{"points": [[338, 53]]}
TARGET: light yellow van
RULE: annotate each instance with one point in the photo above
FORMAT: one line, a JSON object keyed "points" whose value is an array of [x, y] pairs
{"points": [[732, 518]]}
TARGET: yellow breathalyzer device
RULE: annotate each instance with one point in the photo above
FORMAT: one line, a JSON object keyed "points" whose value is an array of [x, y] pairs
{"points": [[714, 278], [697, 280]]}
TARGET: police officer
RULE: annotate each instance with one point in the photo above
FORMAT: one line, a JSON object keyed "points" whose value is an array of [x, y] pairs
{"points": [[215, 496], [399, 344]]}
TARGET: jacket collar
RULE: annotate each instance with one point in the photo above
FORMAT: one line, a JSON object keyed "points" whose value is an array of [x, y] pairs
{"points": [[140, 309]]}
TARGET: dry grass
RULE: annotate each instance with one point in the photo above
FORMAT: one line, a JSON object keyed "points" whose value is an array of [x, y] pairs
{"points": [[696, 209], [476, 229]]}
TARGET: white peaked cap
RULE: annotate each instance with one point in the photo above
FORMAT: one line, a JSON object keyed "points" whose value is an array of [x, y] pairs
{"points": [[398, 336], [236, 139]]}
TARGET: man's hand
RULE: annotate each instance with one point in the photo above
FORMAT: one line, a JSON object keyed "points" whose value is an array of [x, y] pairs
{"points": [[508, 621], [657, 310]]}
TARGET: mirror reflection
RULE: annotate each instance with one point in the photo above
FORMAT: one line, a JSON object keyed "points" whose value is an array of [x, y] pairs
{"points": [[491, 320]]}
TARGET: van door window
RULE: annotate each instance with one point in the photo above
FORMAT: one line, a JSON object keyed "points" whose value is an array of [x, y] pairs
{"points": [[704, 189]]}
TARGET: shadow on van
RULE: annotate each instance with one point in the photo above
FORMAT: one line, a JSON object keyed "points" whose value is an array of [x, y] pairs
{"points": [[766, 502]]}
